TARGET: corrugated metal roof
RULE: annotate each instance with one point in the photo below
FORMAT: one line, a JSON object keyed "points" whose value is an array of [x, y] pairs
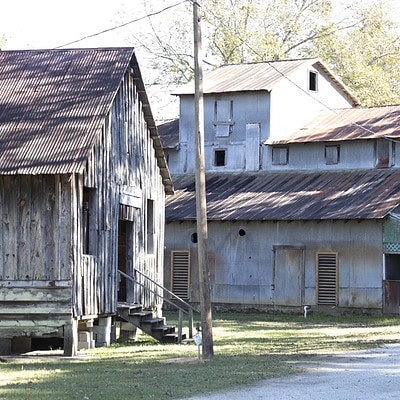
{"points": [[261, 76], [341, 195], [169, 133], [348, 124], [53, 104]]}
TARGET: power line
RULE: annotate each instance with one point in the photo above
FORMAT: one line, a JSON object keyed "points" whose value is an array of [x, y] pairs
{"points": [[122, 25]]}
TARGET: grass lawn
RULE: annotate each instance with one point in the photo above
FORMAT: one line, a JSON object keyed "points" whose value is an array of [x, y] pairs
{"points": [[248, 348]]}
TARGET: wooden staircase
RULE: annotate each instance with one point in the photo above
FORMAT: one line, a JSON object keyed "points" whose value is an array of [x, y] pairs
{"points": [[144, 320]]}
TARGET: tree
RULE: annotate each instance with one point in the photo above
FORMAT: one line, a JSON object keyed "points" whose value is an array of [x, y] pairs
{"points": [[357, 40], [366, 57]]}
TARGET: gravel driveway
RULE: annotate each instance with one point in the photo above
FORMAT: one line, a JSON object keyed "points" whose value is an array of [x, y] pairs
{"points": [[362, 375]]}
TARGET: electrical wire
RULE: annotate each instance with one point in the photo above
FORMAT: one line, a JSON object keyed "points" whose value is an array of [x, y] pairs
{"points": [[238, 37], [122, 25]]}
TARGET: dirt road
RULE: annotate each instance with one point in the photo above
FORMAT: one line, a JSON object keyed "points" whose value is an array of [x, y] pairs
{"points": [[362, 375]]}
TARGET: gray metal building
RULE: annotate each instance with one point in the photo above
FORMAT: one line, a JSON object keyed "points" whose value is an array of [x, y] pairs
{"points": [[302, 193]]}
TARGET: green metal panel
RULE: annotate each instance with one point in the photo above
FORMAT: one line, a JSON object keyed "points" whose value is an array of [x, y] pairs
{"points": [[391, 231]]}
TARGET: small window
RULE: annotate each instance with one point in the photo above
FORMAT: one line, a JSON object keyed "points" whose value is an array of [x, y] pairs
{"points": [[332, 155], [223, 117], [384, 153], [219, 158], [327, 278], [180, 263], [312, 81], [280, 155]]}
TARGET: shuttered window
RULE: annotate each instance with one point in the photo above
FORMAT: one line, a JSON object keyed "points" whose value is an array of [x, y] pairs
{"points": [[223, 117], [327, 272], [180, 261], [280, 155], [332, 155]]}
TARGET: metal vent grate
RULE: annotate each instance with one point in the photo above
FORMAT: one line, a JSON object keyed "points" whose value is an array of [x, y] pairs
{"points": [[327, 278], [180, 273]]}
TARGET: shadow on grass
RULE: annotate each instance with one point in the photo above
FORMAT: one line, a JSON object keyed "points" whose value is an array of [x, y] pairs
{"points": [[129, 377]]}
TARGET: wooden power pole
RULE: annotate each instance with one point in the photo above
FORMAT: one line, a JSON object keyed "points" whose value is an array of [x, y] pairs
{"points": [[201, 205]]}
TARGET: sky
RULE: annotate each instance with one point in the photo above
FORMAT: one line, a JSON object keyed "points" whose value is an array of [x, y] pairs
{"points": [[39, 24], [46, 24]]}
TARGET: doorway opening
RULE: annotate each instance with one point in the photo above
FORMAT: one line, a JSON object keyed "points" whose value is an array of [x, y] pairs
{"points": [[125, 260]]}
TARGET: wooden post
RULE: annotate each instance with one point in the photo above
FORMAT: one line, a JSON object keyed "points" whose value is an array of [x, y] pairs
{"points": [[180, 323], [71, 338], [201, 208], [190, 323]]}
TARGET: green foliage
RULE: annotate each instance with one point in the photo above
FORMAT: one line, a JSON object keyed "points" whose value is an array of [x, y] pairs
{"points": [[357, 40], [366, 56]]}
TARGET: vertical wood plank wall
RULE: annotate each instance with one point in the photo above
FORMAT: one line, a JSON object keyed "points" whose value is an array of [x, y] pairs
{"points": [[123, 157], [35, 254], [45, 279]]}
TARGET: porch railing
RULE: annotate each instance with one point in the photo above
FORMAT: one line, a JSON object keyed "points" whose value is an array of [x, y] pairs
{"points": [[181, 305]]}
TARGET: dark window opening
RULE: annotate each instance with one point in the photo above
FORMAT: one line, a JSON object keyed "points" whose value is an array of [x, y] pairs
{"points": [[392, 267], [242, 232], [150, 226], [88, 229], [193, 238], [313, 81], [219, 159]]}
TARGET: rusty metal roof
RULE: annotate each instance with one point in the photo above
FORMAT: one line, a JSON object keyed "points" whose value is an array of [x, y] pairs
{"points": [[169, 133], [348, 124], [262, 76], [286, 196], [53, 104]]}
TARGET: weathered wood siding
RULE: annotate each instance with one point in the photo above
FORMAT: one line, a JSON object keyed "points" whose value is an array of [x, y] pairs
{"points": [[122, 158], [35, 252]]}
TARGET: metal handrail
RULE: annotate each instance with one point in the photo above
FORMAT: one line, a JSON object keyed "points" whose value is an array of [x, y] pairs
{"points": [[181, 310]]}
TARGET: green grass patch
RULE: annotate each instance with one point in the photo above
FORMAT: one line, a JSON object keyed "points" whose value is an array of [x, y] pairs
{"points": [[248, 348]]}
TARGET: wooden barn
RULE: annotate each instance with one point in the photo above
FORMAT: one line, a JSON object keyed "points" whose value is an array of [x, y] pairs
{"points": [[83, 181]]}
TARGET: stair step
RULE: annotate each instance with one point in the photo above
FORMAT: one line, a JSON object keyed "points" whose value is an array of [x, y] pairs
{"points": [[171, 338], [156, 327], [143, 315], [130, 306], [165, 329], [153, 321]]}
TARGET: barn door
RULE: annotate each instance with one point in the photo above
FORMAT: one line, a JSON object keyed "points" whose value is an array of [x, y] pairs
{"points": [[288, 276]]}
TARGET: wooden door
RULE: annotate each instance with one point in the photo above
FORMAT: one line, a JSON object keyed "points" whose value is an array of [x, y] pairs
{"points": [[288, 276]]}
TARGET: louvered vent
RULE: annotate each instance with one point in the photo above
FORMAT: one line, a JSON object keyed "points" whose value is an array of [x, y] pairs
{"points": [[180, 273], [327, 278]]}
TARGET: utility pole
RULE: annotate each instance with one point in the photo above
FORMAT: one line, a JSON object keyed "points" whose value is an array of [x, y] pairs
{"points": [[201, 205]]}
